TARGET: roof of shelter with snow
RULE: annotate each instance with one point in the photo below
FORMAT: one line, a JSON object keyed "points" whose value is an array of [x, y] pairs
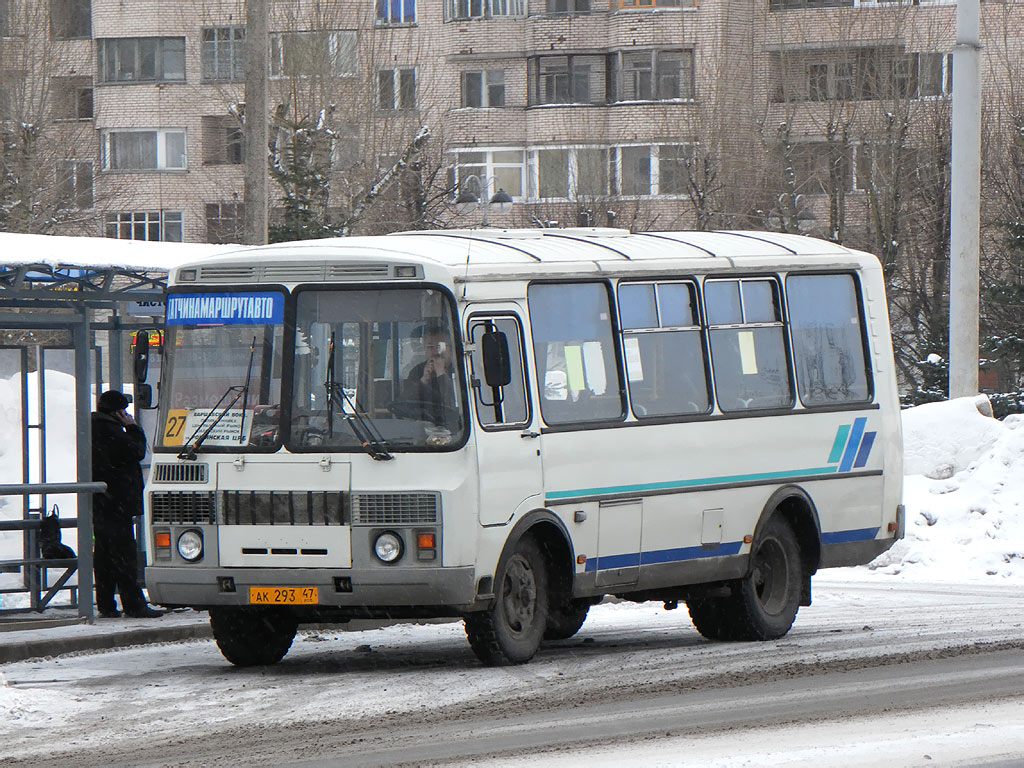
{"points": [[54, 250]]}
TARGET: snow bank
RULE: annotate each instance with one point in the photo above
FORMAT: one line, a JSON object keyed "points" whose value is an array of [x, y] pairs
{"points": [[964, 496]]}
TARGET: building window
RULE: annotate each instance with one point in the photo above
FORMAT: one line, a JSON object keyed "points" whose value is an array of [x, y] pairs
{"points": [[868, 74], [145, 225], [5, 18], [483, 89], [784, 5], [142, 59], [572, 173], [568, 6], [223, 140], [653, 170], [820, 167], [396, 12], [642, 5], [396, 89], [223, 54], [297, 54], [72, 98], [74, 183], [652, 76], [70, 19], [144, 150], [7, 101], [224, 222], [567, 80], [495, 169], [482, 9]]}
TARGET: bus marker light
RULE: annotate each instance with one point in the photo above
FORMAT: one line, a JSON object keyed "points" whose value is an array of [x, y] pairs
{"points": [[581, 559], [748, 539], [893, 527]]}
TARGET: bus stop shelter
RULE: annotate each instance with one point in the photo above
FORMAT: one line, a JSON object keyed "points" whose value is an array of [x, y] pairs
{"points": [[68, 307]]}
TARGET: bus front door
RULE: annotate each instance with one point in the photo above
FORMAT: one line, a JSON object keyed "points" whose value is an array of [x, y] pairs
{"points": [[508, 453]]}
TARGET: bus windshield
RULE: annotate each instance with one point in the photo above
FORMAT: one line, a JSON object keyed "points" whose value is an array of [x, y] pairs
{"points": [[377, 367], [222, 385]]}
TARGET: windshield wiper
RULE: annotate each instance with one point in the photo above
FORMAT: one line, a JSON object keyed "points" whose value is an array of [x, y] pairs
{"points": [[241, 393], [365, 431]]}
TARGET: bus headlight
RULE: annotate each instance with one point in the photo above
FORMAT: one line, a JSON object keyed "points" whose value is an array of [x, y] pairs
{"points": [[190, 545], [388, 547]]}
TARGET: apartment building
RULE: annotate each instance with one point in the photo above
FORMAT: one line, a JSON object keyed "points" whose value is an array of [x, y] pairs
{"points": [[651, 114]]}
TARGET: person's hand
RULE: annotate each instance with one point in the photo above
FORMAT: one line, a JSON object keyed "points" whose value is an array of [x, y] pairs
{"points": [[433, 368], [124, 417]]}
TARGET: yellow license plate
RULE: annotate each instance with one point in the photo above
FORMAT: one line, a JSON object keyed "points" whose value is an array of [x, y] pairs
{"points": [[284, 595]]}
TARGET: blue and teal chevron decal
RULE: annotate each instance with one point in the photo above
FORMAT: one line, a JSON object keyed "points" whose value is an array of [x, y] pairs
{"points": [[852, 446]]}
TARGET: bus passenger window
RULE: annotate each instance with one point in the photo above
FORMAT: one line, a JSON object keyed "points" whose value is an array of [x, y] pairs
{"points": [[828, 339], [574, 352], [664, 352], [748, 345], [508, 406]]}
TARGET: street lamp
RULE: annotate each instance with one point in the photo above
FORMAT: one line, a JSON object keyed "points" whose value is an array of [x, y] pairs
{"points": [[472, 194]]}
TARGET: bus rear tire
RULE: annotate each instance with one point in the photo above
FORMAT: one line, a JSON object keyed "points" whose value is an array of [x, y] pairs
{"points": [[250, 637], [712, 617], [767, 599], [566, 620], [510, 631]]}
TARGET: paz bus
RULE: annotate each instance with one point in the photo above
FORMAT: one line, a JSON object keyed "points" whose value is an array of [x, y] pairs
{"points": [[508, 426]]}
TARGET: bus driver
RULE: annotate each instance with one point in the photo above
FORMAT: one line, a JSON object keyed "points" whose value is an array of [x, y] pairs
{"points": [[430, 385]]}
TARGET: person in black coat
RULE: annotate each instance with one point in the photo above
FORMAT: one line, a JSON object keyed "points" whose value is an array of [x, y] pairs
{"points": [[118, 445]]}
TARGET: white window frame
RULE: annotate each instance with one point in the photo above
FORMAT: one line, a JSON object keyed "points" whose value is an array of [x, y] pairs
{"points": [[491, 165], [464, 10], [218, 55], [164, 221], [335, 48], [387, 18], [162, 136], [488, 79], [572, 170], [74, 166], [397, 75]]}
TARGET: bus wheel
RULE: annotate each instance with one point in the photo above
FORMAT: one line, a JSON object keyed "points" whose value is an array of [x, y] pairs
{"points": [[566, 620], [712, 617], [767, 599], [510, 631], [252, 637]]}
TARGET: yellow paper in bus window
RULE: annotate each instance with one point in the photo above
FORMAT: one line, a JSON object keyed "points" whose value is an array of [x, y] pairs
{"points": [[174, 427], [748, 358], [574, 368]]}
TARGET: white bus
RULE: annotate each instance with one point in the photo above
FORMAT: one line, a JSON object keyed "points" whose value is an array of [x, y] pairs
{"points": [[507, 426]]}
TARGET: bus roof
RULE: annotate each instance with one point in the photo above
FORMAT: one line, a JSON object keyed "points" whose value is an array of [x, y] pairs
{"points": [[489, 254]]}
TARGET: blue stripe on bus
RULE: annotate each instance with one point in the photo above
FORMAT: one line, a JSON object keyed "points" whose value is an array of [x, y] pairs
{"points": [[680, 484], [845, 537], [657, 556], [837, 447], [865, 449], [853, 444]]}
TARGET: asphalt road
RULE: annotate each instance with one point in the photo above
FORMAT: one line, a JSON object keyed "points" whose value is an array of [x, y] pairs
{"points": [[872, 666]]}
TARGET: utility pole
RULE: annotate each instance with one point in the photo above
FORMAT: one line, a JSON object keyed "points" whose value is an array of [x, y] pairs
{"points": [[257, 180], [965, 203]]}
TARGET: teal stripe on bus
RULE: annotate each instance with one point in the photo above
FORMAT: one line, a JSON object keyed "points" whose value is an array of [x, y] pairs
{"points": [[839, 444], [699, 482]]}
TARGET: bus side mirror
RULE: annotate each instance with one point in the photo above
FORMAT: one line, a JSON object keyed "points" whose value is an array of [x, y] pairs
{"points": [[143, 396], [497, 367]]}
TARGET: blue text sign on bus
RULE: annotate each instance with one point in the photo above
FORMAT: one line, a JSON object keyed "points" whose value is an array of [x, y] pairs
{"points": [[256, 308]]}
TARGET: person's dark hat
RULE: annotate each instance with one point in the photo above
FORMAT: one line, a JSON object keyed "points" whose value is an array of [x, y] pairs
{"points": [[111, 401]]}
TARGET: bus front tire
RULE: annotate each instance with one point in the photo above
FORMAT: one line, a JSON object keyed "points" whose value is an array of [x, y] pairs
{"points": [[250, 637], [510, 631], [767, 599]]}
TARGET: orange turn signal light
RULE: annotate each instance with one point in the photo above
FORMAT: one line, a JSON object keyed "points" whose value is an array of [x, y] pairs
{"points": [[748, 539], [162, 539], [581, 559], [425, 540]]}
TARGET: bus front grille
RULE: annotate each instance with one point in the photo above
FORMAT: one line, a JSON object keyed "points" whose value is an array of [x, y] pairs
{"points": [[283, 508], [182, 508], [394, 508], [181, 473]]}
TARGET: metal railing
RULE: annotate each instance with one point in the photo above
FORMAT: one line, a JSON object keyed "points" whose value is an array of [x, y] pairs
{"points": [[33, 565]]}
